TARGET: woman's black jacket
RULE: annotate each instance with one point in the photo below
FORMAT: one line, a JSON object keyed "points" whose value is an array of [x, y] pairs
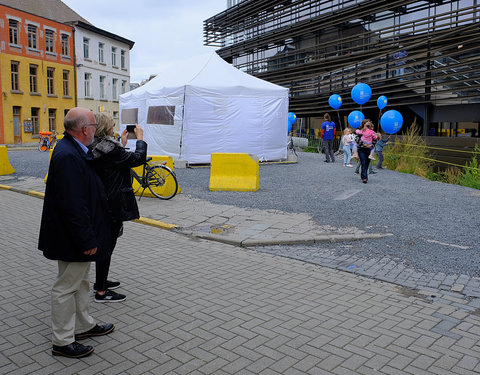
{"points": [[113, 163]]}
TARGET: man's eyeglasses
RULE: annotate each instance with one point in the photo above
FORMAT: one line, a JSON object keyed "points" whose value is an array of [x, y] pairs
{"points": [[96, 125]]}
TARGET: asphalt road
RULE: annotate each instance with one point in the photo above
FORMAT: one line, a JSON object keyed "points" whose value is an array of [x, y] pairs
{"points": [[435, 226]]}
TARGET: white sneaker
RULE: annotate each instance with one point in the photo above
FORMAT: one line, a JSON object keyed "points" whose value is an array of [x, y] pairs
{"points": [[372, 158], [349, 165]]}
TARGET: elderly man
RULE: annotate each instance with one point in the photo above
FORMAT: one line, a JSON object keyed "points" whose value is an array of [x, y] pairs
{"points": [[74, 231]]}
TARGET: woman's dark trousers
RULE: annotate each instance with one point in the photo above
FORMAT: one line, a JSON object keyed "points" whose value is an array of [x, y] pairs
{"points": [[103, 266], [365, 161]]}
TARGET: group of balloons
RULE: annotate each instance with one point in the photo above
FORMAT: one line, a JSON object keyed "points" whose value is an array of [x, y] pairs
{"points": [[391, 121]]}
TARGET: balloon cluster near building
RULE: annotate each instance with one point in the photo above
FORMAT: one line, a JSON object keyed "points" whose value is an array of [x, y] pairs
{"points": [[390, 122]]}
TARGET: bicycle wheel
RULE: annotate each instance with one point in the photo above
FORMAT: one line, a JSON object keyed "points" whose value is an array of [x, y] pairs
{"points": [[43, 144], [162, 182]]}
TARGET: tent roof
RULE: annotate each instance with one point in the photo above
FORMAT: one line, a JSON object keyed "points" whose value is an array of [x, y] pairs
{"points": [[208, 71]]}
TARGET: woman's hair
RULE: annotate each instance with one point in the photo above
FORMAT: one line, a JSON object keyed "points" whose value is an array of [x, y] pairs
{"points": [[105, 124], [326, 116]]}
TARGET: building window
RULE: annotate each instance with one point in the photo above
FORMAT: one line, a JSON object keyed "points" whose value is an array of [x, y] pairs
{"points": [[33, 78], [14, 72], [102, 87], [115, 114], [32, 36], [124, 87], [122, 59], [65, 48], [35, 123], [13, 31], [88, 78], [101, 47], [86, 48], [49, 41], [114, 56], [50, 81], [52, 119], [66, 76], [114, 89]]}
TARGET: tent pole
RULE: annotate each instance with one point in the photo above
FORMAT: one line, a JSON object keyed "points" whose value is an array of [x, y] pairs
{"points": [[181, 130]]}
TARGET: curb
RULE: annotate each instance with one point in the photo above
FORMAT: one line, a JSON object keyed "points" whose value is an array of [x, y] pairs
{"points": [[155, 223], [235, 240], [142, 220], [300, 240]]}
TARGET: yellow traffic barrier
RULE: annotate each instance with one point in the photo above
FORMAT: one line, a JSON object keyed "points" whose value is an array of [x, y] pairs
{"points": [[5, 166], [49, 158], [234, 172], [166, 189]]}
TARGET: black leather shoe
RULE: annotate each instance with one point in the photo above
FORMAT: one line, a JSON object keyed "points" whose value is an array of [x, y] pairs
{"points": [[96, 331], [73, 350]]}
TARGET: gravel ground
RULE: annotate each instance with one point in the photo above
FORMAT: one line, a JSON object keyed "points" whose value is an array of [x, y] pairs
{"points": [[435, 226]]}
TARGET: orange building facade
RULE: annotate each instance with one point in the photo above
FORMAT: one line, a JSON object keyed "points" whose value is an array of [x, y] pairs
{"points": [[37, 75]]}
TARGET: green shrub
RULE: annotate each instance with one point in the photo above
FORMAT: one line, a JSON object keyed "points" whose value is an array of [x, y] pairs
{"points": [[408, 154], [471, 176]]}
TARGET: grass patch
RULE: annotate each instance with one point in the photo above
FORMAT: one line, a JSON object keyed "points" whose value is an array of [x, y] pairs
{"points": [[409, 154]]}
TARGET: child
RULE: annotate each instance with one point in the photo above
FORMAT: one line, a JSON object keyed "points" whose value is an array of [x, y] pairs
{"points": [[347, 140], [368, 138], [379, 148]]}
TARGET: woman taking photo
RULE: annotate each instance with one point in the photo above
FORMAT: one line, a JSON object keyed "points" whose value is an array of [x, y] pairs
{"points": [[112, 163]]}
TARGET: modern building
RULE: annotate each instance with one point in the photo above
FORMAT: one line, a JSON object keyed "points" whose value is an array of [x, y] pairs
{"points": [[103, 68], [36, 75], [424, 56]]}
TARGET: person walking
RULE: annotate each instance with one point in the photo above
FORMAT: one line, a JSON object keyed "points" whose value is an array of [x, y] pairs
{"points": [[75, 230], [365, 145], [327, 132], [112, 163]]}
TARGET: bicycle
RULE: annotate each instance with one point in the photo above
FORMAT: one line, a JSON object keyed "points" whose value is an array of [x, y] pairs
{"points": [[47, 140], [158, 178]]}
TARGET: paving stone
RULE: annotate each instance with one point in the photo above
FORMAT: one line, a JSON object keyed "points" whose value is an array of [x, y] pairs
{"points": [[198, 306]]}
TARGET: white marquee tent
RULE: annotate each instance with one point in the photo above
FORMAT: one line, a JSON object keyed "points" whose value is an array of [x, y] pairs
{"points": [[205, 105]]}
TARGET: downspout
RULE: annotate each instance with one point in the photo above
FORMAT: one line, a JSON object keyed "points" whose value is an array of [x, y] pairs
{"points": [[74, 67]]}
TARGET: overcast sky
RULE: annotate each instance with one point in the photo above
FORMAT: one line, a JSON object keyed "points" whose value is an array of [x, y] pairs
{"points": [[163, 30]]}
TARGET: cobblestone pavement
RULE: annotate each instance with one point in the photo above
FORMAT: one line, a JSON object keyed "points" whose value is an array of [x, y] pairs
{"points": [[250, 227], [196, 306]]}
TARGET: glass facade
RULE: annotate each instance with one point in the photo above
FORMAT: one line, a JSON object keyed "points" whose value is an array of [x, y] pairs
{"points": [[423, 55]]}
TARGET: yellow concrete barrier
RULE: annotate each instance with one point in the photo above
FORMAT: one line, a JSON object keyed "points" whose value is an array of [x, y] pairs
{"points": [[49, 158], [162, 190], [5, 166], [237, 172]]}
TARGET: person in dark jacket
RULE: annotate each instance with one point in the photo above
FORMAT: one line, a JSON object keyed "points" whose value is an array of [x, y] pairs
{"points": [[74, 231], [113, 162]]}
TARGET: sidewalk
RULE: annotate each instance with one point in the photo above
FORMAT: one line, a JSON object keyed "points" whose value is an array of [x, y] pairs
{"points": [[196, 306], [225, 223]]}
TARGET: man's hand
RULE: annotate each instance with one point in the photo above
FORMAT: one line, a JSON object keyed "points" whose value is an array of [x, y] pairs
{"points": [[91, 251]]}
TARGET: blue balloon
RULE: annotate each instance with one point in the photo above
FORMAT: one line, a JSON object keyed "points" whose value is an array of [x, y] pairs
{"points": [[361, 93], [355, 119], [391, 121], [382, 102], [335, 101], [292, 118]]}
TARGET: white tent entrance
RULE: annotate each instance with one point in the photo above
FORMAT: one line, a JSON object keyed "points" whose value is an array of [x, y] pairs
{"points": [[205, 105]]}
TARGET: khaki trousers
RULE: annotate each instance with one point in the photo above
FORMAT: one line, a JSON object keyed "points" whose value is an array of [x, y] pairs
{"points": [[71, 302]]}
